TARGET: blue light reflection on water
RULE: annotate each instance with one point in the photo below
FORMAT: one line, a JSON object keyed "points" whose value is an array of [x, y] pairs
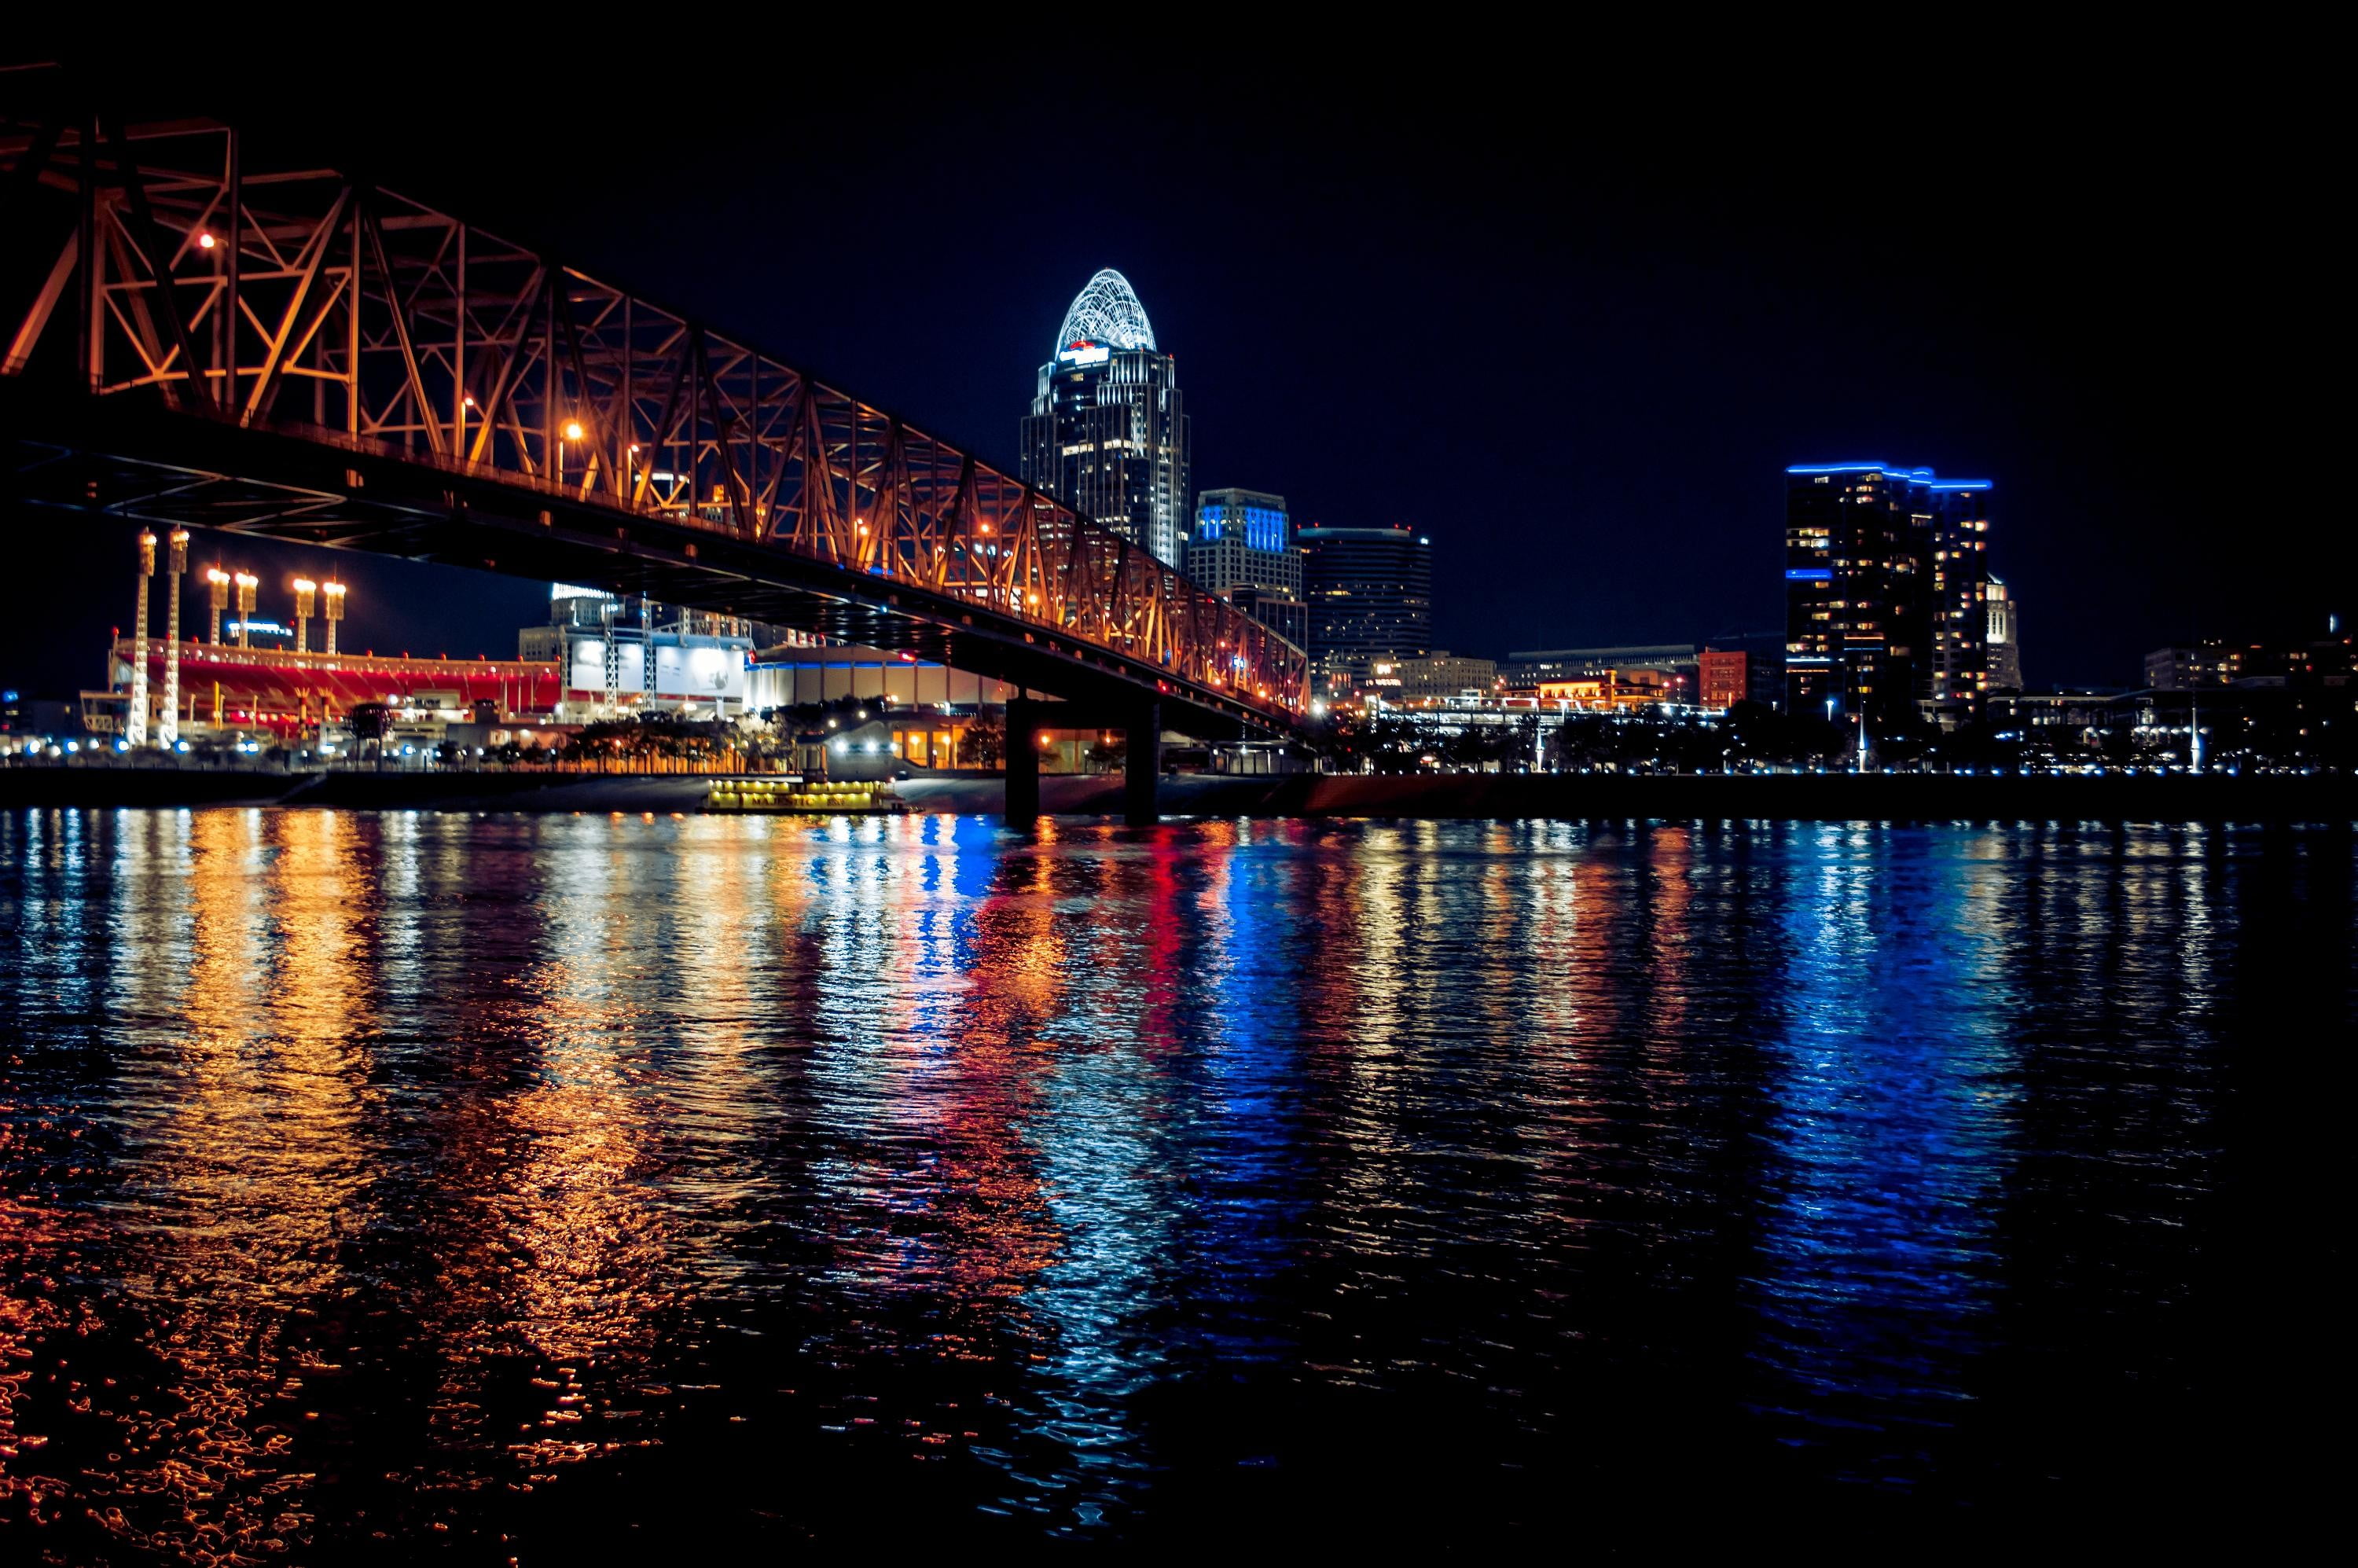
{"points": [[1892, 1085], [559, 1171]]}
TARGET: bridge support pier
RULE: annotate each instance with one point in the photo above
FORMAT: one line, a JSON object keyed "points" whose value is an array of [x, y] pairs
{"points": [[1142, 728], [1141, 774], [1021, 746]]}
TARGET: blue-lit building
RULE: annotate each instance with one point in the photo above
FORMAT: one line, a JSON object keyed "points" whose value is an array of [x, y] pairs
{"points": [[1243, 550], [1252, 518], [1107, 432], [1886, 587]]}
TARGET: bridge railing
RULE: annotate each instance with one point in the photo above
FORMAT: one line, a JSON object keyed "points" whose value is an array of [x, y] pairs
{"points": [[304, 301]]}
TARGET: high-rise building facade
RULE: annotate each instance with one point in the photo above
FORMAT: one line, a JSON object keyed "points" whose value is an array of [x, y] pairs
{"points": [[1957, 618], [1885, 594], [2004, 636], [1107, 434], [1243, 550], [1370, 597]]}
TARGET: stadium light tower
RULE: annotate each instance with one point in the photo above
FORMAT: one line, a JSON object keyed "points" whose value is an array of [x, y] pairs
{"points": [[176, 565], [218, 580], [303, 588], [134, 727], [334, 595], [246, 583]]}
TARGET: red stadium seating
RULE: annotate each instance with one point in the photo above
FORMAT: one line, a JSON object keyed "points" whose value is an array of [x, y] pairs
{"points": [[286, 692]]}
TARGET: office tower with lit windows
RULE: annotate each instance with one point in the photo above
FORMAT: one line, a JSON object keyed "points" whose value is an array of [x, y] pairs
{"points": [[1370, 597], [1243, 550], [1886, 595], [1108, 433], [1957, 618]]}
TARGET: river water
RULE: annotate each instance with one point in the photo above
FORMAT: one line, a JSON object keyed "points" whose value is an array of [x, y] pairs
{"points": [[511, 1187]]}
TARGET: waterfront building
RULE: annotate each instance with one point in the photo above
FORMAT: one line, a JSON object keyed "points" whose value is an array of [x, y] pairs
{"points": [[1442, 676], [2257, 721], [1721, 674], [1759, 679], [2055, 723], [1886, 588], [1107, 432], [1667, 672], [794, 675], [2213, 663], [2004, 636], [1617, 691], [1370, 597], [1243, 550], [1537, 663], [890, 710], [621, 656]]}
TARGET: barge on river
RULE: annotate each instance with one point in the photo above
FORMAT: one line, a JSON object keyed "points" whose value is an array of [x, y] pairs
{"points": [[809, 798]]}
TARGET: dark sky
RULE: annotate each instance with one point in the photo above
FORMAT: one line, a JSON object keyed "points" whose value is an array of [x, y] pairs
{"points": [[1572, 316]]}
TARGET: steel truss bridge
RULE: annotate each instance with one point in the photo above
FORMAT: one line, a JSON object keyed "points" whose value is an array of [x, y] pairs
{"points": [[295, 354]]}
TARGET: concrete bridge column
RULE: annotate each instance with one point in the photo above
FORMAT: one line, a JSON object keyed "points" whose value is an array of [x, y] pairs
{"points": [[1142, 766], [1022, 747]]}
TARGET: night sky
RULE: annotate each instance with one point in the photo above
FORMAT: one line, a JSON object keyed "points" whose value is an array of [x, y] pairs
{"points": [[1573, 319]]}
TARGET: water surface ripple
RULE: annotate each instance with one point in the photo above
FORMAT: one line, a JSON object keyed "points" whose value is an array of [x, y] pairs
{"points": [[502, 1186]]}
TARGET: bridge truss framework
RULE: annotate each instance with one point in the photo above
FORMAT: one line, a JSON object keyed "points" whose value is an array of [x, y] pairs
{"points": [[261, 320]]}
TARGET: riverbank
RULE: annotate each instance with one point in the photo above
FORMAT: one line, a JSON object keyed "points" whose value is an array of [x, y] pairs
{"points": [[1801, 798], [1806, 798], [1827, 798], [354, 789]]}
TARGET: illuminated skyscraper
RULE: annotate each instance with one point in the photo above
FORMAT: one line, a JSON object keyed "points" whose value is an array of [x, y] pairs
{"points": [[1886, 584], [1243, 550], [1107, 434], [1370, 595], [1957, 615]]}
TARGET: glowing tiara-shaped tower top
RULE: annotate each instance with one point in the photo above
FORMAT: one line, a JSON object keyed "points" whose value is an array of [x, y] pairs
{"points": [[1106, 311]]}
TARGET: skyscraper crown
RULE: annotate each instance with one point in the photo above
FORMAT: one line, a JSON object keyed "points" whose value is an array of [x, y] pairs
{"points": [[1106, 311]]}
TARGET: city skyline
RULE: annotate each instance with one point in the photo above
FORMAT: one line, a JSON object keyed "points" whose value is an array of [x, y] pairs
{"points": [[1548, 530], [665, 895]]}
